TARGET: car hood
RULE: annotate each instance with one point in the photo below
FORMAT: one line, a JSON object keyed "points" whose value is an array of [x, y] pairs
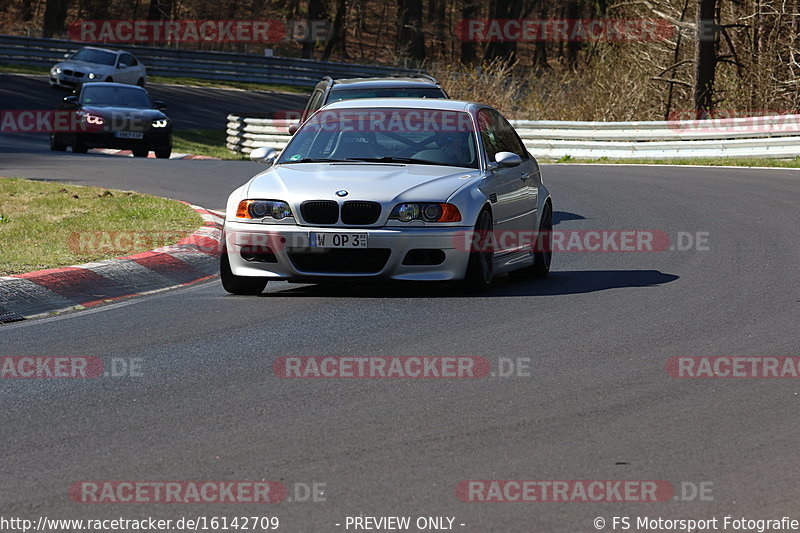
{"points": [[83, 66], [138, 112], [378, 182]]}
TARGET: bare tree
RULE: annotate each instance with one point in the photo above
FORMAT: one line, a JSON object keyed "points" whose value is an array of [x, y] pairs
{"points": [[705, 57]]}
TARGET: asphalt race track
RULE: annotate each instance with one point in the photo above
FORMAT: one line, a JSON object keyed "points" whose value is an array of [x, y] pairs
{"points": [[598, 403]]}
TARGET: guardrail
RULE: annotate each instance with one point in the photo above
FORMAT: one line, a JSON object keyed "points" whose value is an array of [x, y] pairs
{"points": [[220, 66], [757, 137]]}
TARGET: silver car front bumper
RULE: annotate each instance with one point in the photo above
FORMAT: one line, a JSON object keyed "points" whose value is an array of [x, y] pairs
{"points": [[291, 257]]}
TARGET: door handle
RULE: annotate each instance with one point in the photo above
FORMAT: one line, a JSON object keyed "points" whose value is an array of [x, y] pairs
{"points": [[524, 177]]}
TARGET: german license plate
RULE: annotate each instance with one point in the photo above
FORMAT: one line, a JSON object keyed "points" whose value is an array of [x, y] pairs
{"points": [[129, 135], [337, 240]]}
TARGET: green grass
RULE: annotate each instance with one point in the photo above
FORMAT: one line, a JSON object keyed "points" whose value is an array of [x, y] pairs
{"points": [[23, 69], [176, 80], [50, 224], [203, 142], [710, 162]]}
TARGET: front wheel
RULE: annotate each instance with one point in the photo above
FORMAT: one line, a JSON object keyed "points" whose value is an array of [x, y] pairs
{"points": [[480, 268], [238, 284], [78, 147], [140, 152]]}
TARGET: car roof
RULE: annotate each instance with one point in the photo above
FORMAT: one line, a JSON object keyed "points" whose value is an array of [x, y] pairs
{"points": [[361, 83], [418, 103], [113, 51], [112, 84]]}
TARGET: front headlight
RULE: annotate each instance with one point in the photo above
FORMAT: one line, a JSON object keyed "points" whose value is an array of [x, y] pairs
{"points": [[160, 123], [56, 70], [93, 76], [94, 119], [428, 212], [260, 209]]}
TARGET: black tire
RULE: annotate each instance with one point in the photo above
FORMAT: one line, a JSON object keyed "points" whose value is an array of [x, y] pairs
{"points": [[544, 257], [543, 248], [55, 143], [140, 83], [163, 153], [110, 80], [78, 147], [140, 152], [238, 284], [480, 268]]}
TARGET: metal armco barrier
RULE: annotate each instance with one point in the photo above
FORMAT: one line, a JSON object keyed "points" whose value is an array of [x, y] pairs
{"points": [[775, 137]]}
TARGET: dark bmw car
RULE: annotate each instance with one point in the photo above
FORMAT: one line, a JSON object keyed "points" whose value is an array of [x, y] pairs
{"points": [[114, 115]]}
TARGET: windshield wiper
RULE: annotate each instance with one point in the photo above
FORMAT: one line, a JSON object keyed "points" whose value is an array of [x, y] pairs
{"points": [[315, 160], [389, 159]]}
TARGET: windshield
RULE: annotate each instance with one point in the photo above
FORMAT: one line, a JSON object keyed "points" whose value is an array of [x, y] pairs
{"points": [[106, 95], [388, 92], [422, 136], [95, 56]]}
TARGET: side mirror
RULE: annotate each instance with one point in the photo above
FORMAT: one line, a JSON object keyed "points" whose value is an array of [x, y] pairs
{"points": [[158, 104], [507, 159], [264, 155], [122, 65], [67, 55], [71, 101], [293, 128]]}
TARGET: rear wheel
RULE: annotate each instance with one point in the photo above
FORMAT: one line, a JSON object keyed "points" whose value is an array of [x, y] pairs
{"points": [[140, 152], [238, 284], [110, 79], [163, 153], [481, 258], [55, 143], [140, 83]]}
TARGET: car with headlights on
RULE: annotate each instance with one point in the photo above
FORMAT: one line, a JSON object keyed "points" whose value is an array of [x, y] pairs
{"points": [[114, 115], [91, 64], [401, 189]]}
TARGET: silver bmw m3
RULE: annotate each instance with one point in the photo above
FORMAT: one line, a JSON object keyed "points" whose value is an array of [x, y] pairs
{"points": [[402, 189]]}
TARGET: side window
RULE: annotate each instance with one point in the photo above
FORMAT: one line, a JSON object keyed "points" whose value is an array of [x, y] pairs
{"points": [[132, 62], [489, 135], [125, 60], [509, 140]]}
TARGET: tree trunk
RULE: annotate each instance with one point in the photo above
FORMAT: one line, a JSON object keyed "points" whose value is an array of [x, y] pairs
{"points": [[705, 57], [55, 15], [316, 11], [410, 37], [469, 10], [160, 9], [503, 9], [337, 38]]}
